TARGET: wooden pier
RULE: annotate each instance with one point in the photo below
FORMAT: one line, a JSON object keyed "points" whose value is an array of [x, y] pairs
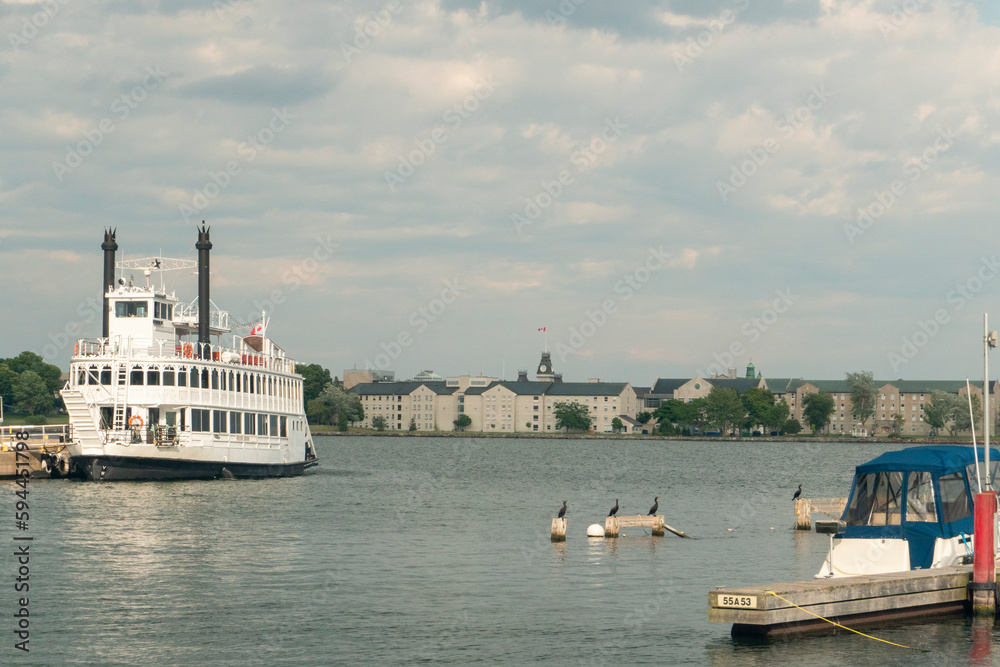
{"points": [[46, 450], [657, 525], [827, 508], [795, 607]]}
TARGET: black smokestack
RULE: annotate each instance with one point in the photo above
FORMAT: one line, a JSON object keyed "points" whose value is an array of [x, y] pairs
{"points": [[204, 301], [109, 247]]}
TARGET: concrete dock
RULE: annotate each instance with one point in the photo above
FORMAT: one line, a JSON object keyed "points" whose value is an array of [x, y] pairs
{"points": [[795, 607]]}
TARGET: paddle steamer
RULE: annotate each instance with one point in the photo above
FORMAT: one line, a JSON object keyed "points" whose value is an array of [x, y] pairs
{"points": [[161, 396]]}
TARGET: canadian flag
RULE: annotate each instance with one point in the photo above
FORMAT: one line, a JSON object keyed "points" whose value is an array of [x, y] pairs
{"points": [[543, 328], [257, 330]]}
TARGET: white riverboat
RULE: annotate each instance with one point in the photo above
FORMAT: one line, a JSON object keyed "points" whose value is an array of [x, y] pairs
{"points": [[170, 392]]}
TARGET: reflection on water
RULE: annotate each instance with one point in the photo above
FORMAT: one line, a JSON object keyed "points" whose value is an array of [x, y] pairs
{"points": [[397, 551]]}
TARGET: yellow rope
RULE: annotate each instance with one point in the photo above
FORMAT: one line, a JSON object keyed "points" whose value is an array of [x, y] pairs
{"points": [[843, 626]]}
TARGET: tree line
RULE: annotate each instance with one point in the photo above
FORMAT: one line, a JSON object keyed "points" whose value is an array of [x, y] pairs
{"points": [[29, 386]]}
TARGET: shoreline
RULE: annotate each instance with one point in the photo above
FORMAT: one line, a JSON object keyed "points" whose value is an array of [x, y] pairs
{"points": [[629, 436]]}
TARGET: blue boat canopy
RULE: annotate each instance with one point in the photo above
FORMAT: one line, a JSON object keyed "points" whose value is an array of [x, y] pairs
{"points": [[918, 494]]}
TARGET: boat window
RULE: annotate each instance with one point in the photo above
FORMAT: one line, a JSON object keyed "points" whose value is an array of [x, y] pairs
{"points": [[182, 377], [920, 504], [273, 425], [284, 427], [234, 422], [876, 500], [222, 380], [106, 375], [153, 376], [954, 498], [249, 423], [215, 378], [168, 376], [251, 383], [136, 376], [199, 420], [204, 379], [131, 308], [92, 375], [194, 378], [218, 421], [232, 387], [261, 424]]}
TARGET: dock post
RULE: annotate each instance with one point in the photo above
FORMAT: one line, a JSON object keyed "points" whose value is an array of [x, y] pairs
{"points": [[611, 526], [559, 530], [983, 585], [803, 514], [658, 529]]}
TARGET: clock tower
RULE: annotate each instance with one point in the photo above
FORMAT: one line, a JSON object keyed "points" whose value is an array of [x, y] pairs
{"points": [[545, 372]]}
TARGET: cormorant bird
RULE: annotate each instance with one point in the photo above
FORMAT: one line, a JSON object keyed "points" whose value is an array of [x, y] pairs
{"points": [[562, 510], [656, 503], [614, 510], [797, 493]]}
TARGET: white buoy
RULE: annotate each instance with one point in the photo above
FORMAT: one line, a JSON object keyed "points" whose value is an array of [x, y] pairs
{"points": [[595, 530]]}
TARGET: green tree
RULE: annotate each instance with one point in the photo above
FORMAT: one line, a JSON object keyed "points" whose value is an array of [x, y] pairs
{"points": [[462, 422], [342, 422], [334, 402], [31, 395], [961, 413], [791, 427], [666, 428], [315, 379], [935, 412], [413, 423], [644, 417], [379, 423], [864, 395], [572, 416], [759, 405], [617, 425], [678, 412], [778, 416], [8, 379], [29, 361], [818, 406], [724, 409]]}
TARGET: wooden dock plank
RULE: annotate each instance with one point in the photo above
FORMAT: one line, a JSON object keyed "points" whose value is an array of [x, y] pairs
{"points": [[837, 609], [841, 597]]}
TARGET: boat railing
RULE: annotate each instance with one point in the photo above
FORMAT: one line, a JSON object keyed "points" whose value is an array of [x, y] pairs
{"points": [[244, 355]]}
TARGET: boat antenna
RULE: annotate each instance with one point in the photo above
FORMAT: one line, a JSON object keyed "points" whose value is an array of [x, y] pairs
{"points": [[972, 421]]}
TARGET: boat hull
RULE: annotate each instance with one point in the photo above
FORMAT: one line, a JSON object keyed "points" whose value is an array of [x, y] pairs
{"points": [[115, 468]]}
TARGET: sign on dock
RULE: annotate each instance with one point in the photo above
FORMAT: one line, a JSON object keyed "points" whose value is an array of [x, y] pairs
{"points": [[795, 607]]}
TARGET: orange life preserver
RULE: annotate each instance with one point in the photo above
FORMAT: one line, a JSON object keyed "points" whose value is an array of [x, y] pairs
{"points": [[188, 350], [76, 350], [133, 419]]}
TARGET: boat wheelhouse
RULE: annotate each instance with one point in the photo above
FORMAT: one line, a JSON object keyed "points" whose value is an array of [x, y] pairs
{"points": [[164, 395], [910, 509]]}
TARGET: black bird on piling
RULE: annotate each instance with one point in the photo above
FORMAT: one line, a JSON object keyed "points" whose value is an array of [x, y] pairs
{"points": [[656, 503], [614, 510], [797, 493], [562, 510]]}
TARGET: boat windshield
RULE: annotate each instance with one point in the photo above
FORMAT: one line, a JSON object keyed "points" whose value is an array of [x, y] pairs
{"points": [[954, 497], [920, 504], [877, 500], [970, 471]]}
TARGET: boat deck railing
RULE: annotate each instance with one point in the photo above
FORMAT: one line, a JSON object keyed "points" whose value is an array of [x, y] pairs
{"points": [[132, 348]]}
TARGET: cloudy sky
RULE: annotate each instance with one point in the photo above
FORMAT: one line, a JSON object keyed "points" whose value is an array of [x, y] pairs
{"points": [[668, 187]]}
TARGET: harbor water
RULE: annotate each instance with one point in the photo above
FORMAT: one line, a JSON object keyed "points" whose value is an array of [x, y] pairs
{"points": [[429, 550]]}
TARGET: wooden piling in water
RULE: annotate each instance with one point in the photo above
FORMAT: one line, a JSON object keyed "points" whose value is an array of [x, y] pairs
{"points": [[559, 530], [803, 514], [656, 524]]}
